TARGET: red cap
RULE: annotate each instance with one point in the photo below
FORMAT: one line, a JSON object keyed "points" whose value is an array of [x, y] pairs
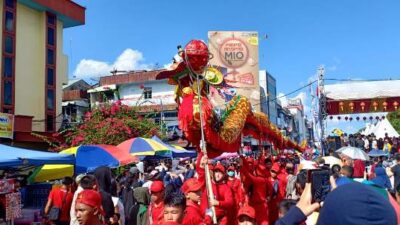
{"points": [[156, 186], [91, 198], [219, 167], [276, 167], [231, 168], [191, 185], [247, 211]]}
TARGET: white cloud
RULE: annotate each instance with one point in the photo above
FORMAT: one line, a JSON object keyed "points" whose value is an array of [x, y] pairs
{"points": [[129, 60]]}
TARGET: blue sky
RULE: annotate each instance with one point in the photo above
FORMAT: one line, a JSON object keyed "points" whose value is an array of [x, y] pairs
{"points": [[352, 39]]}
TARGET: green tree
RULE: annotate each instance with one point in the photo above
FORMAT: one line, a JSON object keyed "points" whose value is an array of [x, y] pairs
{"points": [[394, 119]]}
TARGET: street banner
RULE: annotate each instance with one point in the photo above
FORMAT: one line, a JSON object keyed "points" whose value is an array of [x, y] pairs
{"points": [[6, 125], [235, 55]]}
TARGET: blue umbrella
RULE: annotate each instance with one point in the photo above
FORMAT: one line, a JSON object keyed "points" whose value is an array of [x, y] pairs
{"points": [[377, 153]]}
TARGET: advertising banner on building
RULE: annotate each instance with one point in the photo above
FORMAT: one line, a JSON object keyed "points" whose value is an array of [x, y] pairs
{"points": [[235, 55], [6, 125]]}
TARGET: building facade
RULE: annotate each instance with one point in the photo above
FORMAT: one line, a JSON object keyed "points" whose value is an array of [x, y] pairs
{"points": [[34, 67], [268, 96], [155, 98], [299, 130], [75, 102]]}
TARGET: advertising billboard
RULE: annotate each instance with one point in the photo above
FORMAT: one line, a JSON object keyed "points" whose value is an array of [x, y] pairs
{"points": [[235, 55], [6, 125]]}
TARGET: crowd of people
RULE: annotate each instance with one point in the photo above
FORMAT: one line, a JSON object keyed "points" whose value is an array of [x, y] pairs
{"points": [[256, 189], [369, 142]]}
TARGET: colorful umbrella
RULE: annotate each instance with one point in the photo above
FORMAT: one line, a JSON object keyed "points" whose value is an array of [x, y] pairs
{"points": [[175, 151], [143, 147], [88, 158]]}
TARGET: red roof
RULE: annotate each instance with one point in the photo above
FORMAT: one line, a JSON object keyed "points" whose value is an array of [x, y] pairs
{"points": [[130, 77]]}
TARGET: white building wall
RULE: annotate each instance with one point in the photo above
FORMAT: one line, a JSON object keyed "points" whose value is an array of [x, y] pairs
{"points": [[162, 93]]}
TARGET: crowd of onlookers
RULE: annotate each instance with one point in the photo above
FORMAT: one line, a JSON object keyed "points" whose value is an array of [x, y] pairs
{"points": [[370, 142], [261, 189]]}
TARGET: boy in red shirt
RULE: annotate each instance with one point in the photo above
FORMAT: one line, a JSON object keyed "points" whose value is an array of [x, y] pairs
{"points": [[62, 199]]}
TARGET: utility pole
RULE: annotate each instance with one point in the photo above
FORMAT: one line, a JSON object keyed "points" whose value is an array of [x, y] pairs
{"points": [[322, 107]]}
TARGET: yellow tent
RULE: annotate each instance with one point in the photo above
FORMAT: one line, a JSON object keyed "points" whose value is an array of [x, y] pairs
{"points": [[54, 172]]}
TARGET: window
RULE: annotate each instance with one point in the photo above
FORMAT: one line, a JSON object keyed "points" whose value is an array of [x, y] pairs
{"points": [[8, 69], [50, 99], [7, 93], [50, 76], [50, 123], [147, 92], [51, 19], [7, 110], [50, 56], [8, 45], [50, 36], [9, 21], [10, 3]]}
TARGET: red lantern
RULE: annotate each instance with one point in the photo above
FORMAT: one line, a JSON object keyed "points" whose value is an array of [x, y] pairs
{"points": [[341, 104], [362, 104], [351, 105], [196, 56], [395, 104], [375, 104], [384, 105]]}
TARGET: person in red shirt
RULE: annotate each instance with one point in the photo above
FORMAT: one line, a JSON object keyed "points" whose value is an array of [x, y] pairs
{"points": [[192, 190], [246, 216], [261, 188], [174, 208], [277, 193], [62, 199], [359, 168], [88, 208], [223, 201], [236, 187], [156, 207]]}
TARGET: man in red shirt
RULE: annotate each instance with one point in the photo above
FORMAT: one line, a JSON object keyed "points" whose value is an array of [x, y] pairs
{"points": [[156, 207], [223, 201], [88, 208], [261, 189], [192, 190], [277, 193], [236, 187], [61, 198]]}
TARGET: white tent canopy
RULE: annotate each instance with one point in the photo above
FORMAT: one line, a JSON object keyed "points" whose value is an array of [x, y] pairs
{"points": [[363, 90], [384, 127]]}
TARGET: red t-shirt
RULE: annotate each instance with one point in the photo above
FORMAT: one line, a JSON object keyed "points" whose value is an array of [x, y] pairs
{"points": [[57, 195], [157, 213]]}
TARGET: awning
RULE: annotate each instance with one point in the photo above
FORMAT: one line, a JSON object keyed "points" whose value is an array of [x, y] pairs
{"points": [[103, 88], [363, 90], [80, 103], [13, 157]]}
